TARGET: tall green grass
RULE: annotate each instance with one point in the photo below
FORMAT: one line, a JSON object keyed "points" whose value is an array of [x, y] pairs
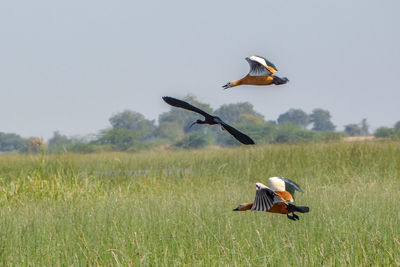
{"points": [[174, 208]]}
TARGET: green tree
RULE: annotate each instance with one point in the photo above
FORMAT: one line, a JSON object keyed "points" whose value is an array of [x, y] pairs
{"points": [[119, 138], [287, 133], [260, 133], [321, 120], [353, 129], [384, 132], [397, 125], [11, 142], [295, 116], [358, 129], [59, 140], [132, 120], [195, 140], [169, 130], [239, 113], [364, 127]]}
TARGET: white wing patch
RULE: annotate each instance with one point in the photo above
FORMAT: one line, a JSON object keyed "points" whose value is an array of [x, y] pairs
{"points": [[261, 186], [259, 60], [277, 184], [258, 66]]}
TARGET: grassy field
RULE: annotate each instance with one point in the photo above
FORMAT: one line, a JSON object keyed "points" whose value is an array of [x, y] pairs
{"points": [[174, 208]]}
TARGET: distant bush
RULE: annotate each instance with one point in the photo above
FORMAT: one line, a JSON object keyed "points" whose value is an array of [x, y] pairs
{"points": [[11, 142], [88, 148], [34, 145], [290, 133], [329, 136], [384, 132], [119, 138], [195, 140], [260, 133]]}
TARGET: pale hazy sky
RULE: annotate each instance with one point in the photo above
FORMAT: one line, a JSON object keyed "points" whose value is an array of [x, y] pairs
{"points": [[69, 65]]}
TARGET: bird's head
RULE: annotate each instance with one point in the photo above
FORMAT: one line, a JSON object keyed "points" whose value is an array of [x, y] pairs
{"points": [[196, 122], [243, 207], [228, 85], [238, 207], [231, 84]]}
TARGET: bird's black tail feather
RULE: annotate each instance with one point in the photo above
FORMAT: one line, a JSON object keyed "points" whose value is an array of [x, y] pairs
{"points": [[302, 209], [277, 80]]}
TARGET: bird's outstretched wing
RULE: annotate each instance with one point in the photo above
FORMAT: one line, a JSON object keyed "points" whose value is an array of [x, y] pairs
{"points": [[284, 184], [185, 105], [241, 137], [260, 66], [265, 198], [291, 186]]}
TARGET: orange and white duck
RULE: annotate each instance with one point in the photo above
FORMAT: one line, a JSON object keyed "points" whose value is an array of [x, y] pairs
{"points": [[261, 73], [276, 199]]}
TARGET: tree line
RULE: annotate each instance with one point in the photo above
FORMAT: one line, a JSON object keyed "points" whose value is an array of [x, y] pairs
{"points": [[131, 131]]}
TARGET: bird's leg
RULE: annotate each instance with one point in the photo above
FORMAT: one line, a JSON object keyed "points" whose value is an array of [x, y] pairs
{"points": [[290, 217], [295, 216]]}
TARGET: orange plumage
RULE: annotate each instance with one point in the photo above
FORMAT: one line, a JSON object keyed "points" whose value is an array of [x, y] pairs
{"points": [[277, 199], [261, 73]]}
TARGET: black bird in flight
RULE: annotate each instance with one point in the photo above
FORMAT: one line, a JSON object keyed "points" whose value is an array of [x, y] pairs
{"points": [[209, 119]]}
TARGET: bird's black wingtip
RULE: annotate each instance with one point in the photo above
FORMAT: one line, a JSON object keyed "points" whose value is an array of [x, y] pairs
{"points": [[249, 142], [169, 100]]}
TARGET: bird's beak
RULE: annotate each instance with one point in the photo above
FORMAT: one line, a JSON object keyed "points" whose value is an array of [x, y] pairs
{"points": [[237, 209], [226, 86]]}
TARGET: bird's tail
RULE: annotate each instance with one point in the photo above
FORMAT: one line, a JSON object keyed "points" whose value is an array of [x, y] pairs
{"points": [[302, 209], [277, 80]]}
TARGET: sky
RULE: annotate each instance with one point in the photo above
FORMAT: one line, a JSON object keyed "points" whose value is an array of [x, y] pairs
{"points": [[68, 66]]}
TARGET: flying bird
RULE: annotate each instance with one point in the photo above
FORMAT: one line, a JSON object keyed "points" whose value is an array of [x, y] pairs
{"points": [[277, 199], [261, 73], [209, 119]]}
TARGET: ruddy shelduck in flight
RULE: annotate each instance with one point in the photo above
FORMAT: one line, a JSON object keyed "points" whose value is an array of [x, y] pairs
{"points": [[209, 119], [277, 199], [261, 73]]}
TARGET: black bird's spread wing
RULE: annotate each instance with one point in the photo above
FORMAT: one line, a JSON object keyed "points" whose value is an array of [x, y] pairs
{"points": [[265, 198], [291, 186], [241, 137], [185, 105]]}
